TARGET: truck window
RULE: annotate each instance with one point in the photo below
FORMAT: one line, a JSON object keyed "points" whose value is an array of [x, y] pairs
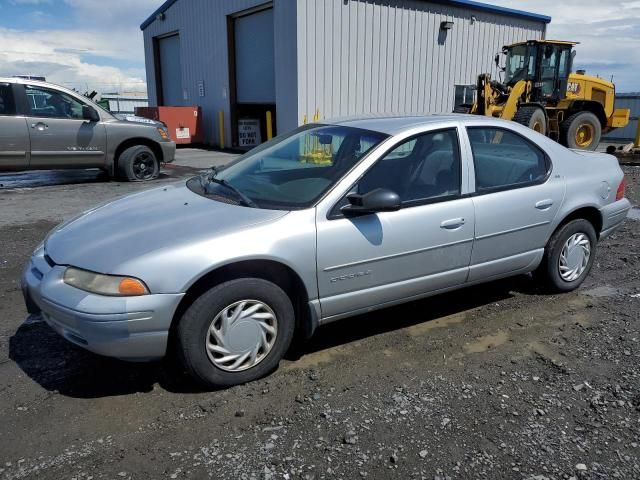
{"points": [[7, 102], [49, 103]]}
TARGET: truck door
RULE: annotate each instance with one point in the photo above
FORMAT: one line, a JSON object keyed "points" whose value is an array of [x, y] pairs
{"points": [[14, 137], [60, 136]]}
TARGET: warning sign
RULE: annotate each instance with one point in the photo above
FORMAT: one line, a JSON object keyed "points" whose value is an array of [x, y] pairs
{"points": [[249, 132], [182, 133]]}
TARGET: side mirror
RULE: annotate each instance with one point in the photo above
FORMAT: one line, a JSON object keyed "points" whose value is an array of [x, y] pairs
{"points": [[89, 113], [378, 200]]}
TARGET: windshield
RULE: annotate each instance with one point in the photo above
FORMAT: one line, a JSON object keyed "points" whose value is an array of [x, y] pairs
{"points": [[291, 171], [521, 63]]}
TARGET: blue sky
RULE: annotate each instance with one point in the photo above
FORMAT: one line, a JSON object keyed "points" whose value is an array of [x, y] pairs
{"points": [[97, 44]]}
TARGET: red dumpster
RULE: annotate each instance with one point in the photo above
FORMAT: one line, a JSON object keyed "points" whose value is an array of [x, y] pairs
{"points": [[184, 123]]}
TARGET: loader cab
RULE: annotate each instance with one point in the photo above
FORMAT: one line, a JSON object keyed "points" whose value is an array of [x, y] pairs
{"points": [[546, 64]]}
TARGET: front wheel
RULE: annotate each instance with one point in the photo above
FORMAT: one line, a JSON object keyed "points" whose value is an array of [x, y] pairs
{"points": [[236, 332], [532, 117], [138, 164], [569, 256]]}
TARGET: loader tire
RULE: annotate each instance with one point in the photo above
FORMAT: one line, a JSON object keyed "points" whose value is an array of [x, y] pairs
{"points": [[532, 117], [581, 130]]}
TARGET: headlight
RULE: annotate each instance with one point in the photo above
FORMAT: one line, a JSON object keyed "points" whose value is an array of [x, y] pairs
{"points": [[111, 285], [164, 133]]}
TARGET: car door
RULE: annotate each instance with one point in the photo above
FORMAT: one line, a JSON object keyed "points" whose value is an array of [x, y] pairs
{"points": [[14, 137], [516, 198], [376, 259], [60, 136]]}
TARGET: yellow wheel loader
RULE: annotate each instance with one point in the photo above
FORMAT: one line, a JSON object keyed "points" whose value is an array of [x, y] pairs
{"points": [[540, 91]]}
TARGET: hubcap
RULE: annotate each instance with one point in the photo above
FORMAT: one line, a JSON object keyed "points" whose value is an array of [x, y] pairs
{"points": [[584, 135], [143, 166], [574, 257], [241, 335]]}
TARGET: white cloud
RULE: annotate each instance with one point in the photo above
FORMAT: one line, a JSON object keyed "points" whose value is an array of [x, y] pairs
{"points": [[57, 55]]}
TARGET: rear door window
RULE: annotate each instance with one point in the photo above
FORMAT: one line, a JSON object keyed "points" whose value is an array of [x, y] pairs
{"points": [[504, 160], [7, 100]]}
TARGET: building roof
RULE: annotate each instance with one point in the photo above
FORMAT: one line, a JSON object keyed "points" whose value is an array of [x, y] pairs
{"points": [[483, 7]]}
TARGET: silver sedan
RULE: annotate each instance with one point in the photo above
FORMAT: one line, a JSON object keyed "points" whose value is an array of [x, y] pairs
{"points": [[326, 222]]}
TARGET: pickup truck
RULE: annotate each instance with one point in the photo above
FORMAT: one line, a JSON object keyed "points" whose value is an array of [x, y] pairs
{"points": [[45, 126]]}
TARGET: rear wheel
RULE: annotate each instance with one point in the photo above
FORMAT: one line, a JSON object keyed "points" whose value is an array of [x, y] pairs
{"points": [[581, 130], [532, 117], [236, 332], [568, 256], [138, 164]]}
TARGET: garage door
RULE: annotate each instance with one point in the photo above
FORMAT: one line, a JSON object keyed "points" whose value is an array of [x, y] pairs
{"points": [[170, 71], [255, 72]]}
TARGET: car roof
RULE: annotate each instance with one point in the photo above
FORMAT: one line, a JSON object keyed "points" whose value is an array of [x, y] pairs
{"points": [[26, 81], [392, 125]]}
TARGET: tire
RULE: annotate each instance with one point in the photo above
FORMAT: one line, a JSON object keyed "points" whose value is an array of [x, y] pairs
{"points": [[204, 316], [461, 109], [532, 117], [581, 125], [138, 164], [549, 270]]}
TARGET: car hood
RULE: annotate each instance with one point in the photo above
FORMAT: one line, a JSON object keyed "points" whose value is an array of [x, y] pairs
{"points": [[103, 238]]}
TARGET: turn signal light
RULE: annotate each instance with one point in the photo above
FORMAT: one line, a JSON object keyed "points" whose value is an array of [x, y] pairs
{"points": [[620, 192], [131, 287]]}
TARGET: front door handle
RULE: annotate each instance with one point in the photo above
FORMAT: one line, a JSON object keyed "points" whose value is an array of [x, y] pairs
{"points": [[452, 224], [39, 126], [544, 204]]}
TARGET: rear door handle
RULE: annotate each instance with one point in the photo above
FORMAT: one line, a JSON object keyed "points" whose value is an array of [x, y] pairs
{"points": [[544, 204], [39, 126], [452, 224]]}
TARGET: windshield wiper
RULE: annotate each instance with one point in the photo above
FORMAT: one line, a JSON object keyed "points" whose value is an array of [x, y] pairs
{"points": [[245, 199]]}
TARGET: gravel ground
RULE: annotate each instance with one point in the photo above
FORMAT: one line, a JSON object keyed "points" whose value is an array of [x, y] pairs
{"points": [[497, 381]]}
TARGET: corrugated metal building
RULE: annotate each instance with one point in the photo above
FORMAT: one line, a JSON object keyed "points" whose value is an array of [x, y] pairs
{"points": [[628, 133], [304, 58]]}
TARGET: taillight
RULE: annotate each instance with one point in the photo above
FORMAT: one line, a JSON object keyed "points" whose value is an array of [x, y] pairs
{"points": [[620, 191]]}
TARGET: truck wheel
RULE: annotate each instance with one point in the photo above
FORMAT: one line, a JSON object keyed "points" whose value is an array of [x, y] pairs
{"points": [[138, 164], [236, 332], [568, 256], [581, 130], [532, 117]]}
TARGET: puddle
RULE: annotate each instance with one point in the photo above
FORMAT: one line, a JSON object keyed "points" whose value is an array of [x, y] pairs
{"points": [[634, 213], [488, 342], [602, 292], [41, 178]]}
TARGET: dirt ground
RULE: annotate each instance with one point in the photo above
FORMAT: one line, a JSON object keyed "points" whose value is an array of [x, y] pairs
{"points": [[497, 381]]}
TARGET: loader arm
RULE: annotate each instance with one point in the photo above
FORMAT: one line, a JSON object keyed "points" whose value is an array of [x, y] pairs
{"points": [[511, 105]]}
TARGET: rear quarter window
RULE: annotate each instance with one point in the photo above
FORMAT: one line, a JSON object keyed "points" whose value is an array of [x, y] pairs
{"points": [[504, 160]]}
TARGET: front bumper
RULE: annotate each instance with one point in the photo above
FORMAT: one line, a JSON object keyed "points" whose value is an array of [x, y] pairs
{"points": [[130, 328], [613, 215], [168, 151]]}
